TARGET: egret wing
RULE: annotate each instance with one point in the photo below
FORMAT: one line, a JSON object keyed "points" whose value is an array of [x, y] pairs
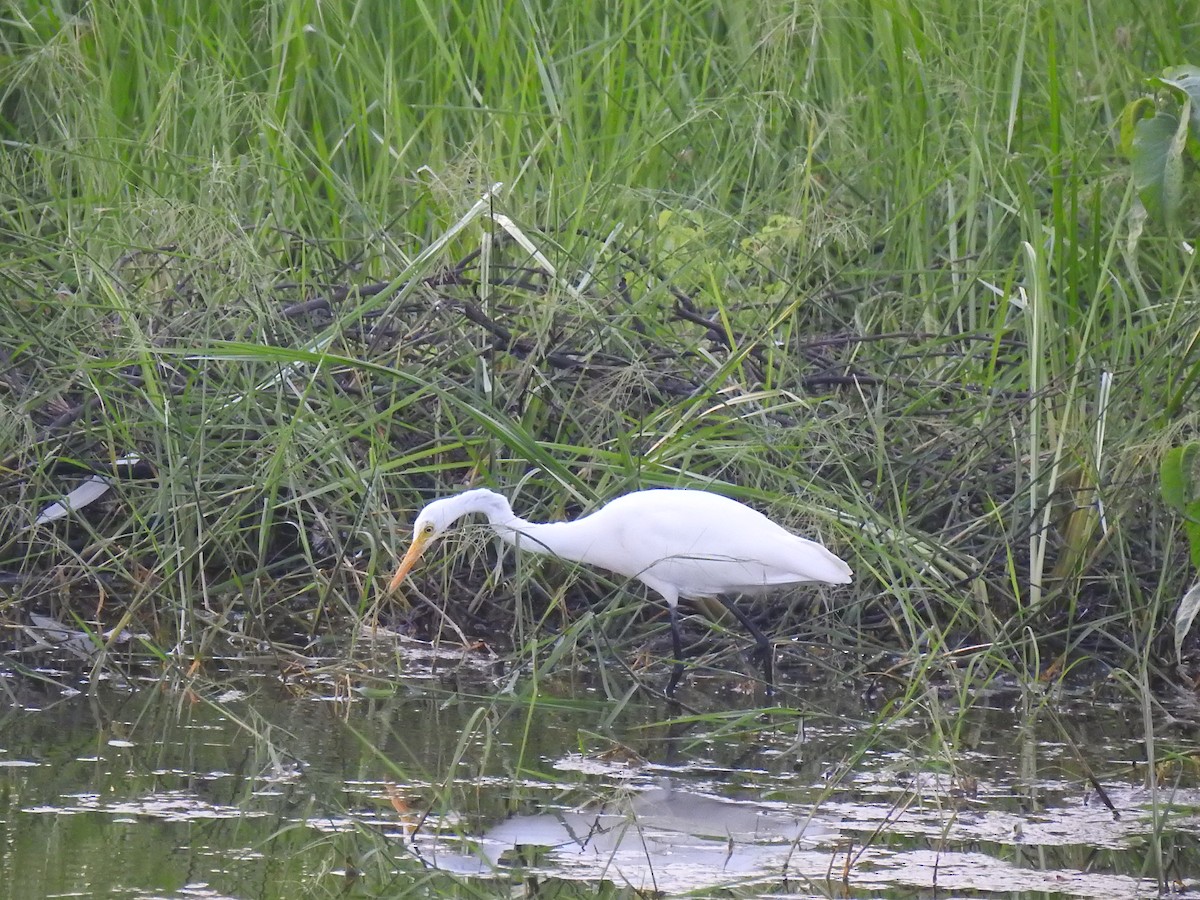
{"points": [[706, 544]]}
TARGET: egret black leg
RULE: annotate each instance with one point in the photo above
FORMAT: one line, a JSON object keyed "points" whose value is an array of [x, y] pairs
{"points": [[763, 650], [677, 646]]}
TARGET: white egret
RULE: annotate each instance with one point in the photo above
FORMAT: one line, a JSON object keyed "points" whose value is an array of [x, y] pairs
{"points": [[679, 543]]}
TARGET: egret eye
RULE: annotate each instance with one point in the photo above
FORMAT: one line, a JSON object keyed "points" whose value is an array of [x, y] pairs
{"points": [[427, 529]]}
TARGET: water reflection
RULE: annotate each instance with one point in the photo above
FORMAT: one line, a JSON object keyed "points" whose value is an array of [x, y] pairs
{"points": [[377, 778], [663, 838]]}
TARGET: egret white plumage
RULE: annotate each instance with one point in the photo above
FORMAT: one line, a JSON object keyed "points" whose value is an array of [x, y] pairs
{"points": [[679, 543]]}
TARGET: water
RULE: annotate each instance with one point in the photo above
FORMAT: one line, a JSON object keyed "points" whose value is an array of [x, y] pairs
{"points": [[378, 776]]}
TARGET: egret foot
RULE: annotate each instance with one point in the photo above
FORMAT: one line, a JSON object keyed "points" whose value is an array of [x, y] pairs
{"points": [[764, 651]]}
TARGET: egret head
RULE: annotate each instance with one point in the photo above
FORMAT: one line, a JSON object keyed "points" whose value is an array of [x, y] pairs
{"points": [[433, 521]]}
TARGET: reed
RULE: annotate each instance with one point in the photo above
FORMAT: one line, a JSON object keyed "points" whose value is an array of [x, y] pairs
{"points": [[866, 267]]}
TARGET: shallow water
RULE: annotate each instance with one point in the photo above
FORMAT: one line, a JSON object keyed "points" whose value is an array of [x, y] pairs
{"points": [[382, 777]]}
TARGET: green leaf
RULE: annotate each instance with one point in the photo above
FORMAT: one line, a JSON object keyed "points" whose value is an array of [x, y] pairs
{"points": [[1152, 140], [1185, 616], [1191, 527], [1173, 168], [1134, 112], [1175, 476], [1184, 80]]}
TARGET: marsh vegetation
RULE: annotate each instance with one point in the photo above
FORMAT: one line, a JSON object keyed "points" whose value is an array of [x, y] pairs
{"points": [[276, 275]]}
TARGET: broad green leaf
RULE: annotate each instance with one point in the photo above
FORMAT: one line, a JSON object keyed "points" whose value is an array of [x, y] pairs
{"points": [[1152, 140], [1173, 167], [1175, 476], [1191, 527], [1185, 616], [1185, 80], [1134, 112]]}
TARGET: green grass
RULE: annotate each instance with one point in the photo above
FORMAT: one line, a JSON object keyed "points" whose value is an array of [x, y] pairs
{"points": [[866, 266]]}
